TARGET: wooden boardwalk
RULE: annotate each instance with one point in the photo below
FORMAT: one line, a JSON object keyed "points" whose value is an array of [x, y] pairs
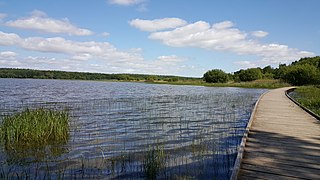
{"points": [[283, 143]]}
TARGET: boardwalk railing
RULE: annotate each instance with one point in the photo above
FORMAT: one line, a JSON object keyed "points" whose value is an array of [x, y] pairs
{"points": [[300, 105]]}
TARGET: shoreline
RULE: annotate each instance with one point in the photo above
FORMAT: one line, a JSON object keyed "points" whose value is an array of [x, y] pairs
{"points": [[258, 84]]}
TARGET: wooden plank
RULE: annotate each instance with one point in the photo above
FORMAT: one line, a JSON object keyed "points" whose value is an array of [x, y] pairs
{"points": [[289, 165], [283, 143], [293, 173], [293, 153], [292, 148], [256, 157], [248, 174]]}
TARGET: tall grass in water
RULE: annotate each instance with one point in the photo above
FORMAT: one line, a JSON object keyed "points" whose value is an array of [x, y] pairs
{"points": [[39, 127], [154, 162]]}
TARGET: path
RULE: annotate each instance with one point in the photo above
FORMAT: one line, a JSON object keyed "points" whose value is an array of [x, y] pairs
{"points": [[283, 143]]}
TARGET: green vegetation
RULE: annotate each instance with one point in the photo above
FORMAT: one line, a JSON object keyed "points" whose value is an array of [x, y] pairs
{"points": [[301, 74], [215, 76], [261, 83], [33, 128], [306, 71], [309, 97], [249, 74], [154, 162], [39, 74]]}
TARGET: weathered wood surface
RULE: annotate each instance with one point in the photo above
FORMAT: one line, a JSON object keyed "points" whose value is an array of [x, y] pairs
{"points": [[283, 143]]}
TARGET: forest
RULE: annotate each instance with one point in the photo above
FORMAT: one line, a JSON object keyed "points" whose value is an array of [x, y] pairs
{"points": [[47, 74]]}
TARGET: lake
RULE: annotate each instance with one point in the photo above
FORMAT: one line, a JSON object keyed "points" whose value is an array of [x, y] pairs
{"points": [[131, 130]]}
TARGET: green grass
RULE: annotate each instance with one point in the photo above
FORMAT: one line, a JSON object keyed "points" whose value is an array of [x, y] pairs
{"points": [[154, 162], [309, 97], [263, 84], [33, 128]]}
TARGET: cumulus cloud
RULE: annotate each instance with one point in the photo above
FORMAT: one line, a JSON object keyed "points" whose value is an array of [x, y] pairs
{"points": [[126, 2], [7, 54], [7, 58], [41, 22], [224, 36], [245, 64], [64, 46], [171, 58], [9, 39], [259, 34], [157, 24], [90, 56]]}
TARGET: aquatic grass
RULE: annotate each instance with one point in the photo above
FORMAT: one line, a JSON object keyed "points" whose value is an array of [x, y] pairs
{"points": [[154, 161], [39, 127], [125, 139]]}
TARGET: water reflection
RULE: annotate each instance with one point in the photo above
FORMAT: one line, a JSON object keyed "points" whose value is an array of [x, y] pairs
{"points": [[150, 131]]}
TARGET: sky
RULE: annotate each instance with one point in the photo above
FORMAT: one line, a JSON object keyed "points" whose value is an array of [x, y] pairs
{"points": [[165, 37]]}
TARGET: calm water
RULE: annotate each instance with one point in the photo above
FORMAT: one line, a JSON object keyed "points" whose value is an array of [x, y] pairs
{"points": [[117, 129]]}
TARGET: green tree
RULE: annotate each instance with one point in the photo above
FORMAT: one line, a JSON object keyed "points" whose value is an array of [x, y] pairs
{"points": [[250, 74], [301, 74], [215, 76]]}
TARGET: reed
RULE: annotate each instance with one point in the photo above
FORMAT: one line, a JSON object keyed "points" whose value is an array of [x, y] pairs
{"points": [[154, 162], [39, 127]]}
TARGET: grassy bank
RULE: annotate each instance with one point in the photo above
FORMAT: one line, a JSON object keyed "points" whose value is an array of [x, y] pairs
{"points": [[309, 97], [264, 84]]}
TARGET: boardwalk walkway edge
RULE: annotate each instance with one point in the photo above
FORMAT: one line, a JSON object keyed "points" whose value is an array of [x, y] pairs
{"points": [[237, 164], [300, 105]]}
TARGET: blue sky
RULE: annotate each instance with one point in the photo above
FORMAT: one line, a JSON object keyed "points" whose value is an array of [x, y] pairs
{"points": [[171, 37]]}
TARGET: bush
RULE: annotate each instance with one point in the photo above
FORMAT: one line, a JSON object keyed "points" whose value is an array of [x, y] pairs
{"points": [[250, 74], [215, 76], [301, 75]]}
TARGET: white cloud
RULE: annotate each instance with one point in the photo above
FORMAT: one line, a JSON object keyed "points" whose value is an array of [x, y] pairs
{"points": [[82, 57], [171, 58], [61, 45], [90, 56], [245, 64], [126, 2], [40, 22], [223, 25], [259, 34], [9, 39], [224, 36], [157, 24], [8, 58], [105, 34], [7, 54]]}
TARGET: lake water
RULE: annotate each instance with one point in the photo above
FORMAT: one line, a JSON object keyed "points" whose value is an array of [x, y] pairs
{"points": [[131, 130]]}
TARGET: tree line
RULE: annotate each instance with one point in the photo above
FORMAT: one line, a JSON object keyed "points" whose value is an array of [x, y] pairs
{"points": [[305, 71], [43, 74]]}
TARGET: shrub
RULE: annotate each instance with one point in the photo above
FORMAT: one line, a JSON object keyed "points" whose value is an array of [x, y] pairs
{"points": [[301, 75], [215, 76], [250, 74]]}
